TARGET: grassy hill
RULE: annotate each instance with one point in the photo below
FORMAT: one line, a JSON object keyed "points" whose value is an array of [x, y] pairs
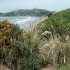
{"points": [[27, 12], [58, 24], [56, 49]]}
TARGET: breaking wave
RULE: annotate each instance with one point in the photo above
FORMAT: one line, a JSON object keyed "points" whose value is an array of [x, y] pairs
{"points": [[23, 21]]}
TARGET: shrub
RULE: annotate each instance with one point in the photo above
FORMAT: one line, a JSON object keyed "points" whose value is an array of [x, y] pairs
{"points": [[28, 64]]}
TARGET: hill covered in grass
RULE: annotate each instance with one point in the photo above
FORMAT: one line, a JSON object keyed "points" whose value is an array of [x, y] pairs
{"points": [[56, 48], [58, 24], [27, 12]]}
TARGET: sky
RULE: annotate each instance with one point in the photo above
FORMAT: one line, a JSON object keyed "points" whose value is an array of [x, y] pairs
{"points": [[51, 5]]}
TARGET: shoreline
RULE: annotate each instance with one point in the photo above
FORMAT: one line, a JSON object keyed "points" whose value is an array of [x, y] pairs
{"points": [[33, 25]]}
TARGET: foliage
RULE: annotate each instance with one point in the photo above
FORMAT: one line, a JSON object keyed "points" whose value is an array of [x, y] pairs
{"points": [[5, 30], [26, 50], [23, 47], [56, 50], [9, 35], [58, 24], [28, 64], [64, 67]]}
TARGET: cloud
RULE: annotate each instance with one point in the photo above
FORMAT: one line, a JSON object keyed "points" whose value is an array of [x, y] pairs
{"points": [[53, 5]]}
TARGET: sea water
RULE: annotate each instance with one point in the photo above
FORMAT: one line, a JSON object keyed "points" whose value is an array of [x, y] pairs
{"points": [[23, 21]]}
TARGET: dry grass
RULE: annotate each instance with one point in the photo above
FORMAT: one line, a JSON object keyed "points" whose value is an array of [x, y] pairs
{"points": [[2, 67], [30, 27], [49, 46], [49, 68]]}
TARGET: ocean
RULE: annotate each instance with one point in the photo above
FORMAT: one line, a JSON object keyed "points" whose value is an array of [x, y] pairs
{"points": [[23, 21]]}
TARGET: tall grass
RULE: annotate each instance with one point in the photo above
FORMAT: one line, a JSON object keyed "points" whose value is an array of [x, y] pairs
{"points": [[55, 51]]}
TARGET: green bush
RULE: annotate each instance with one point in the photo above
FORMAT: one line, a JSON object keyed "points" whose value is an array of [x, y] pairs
{"points": [[64, 67], [28, 64]]}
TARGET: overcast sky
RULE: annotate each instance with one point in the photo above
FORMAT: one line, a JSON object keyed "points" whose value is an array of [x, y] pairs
{"points": [[51, 5]]}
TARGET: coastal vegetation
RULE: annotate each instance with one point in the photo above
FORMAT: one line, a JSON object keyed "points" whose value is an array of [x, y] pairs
{"points": [[58, 28], [47, 45]]}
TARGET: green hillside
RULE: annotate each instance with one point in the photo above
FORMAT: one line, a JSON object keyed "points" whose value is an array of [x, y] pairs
{"points": [[56, 48], [58, 24]]}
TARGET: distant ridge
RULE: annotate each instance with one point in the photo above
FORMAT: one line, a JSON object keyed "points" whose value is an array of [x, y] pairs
{"points": [[27, 12]]}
